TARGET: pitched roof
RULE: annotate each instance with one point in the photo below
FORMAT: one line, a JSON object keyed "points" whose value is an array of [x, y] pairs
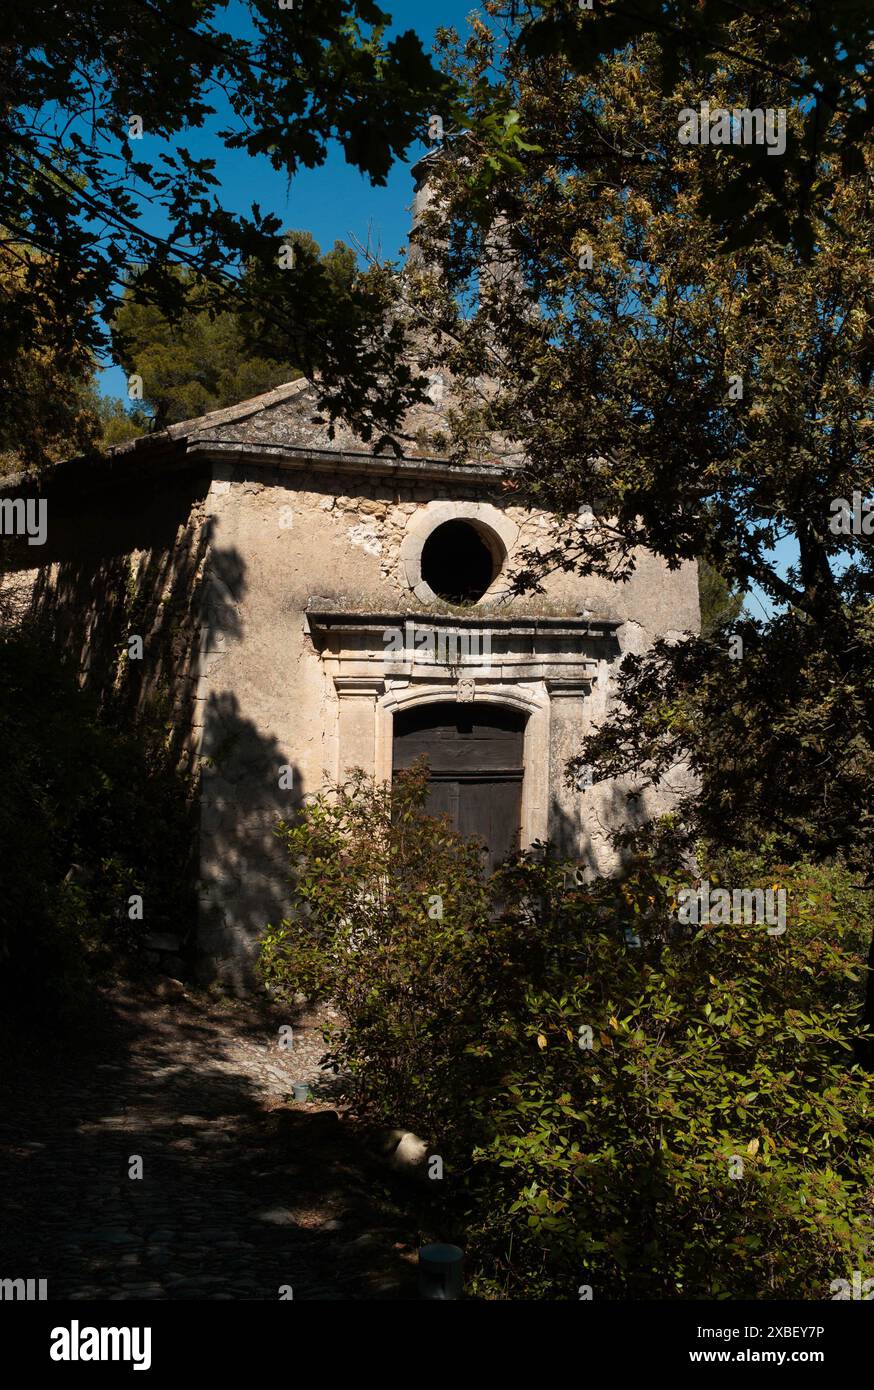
{"points": [[281, 428]]}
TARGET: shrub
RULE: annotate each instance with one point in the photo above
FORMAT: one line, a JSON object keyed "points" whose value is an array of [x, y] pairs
{"points": [[714, 1141], [710, 1138], [391, 920]]}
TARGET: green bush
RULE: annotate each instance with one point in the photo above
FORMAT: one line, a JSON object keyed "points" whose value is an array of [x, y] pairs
{"points": [[710, 1138], [714, 1141], [368, 870]]}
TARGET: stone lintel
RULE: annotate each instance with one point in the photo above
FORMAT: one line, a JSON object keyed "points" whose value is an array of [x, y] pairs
{"points": [[375, 648]]}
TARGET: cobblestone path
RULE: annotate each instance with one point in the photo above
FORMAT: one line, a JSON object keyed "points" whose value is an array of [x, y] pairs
{"points": [[242, 1193]]}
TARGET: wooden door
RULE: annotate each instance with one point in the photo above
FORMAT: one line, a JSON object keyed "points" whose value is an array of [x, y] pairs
{"points": [[474, 755]]}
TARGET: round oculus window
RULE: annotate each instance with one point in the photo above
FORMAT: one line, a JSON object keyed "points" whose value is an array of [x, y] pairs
{"points": [[460, 561]]}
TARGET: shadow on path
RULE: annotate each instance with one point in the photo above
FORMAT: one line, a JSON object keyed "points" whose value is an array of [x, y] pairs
{"points": [[240, 1195]]}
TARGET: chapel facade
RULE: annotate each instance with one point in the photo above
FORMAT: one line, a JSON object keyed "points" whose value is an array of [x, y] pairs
{"points": [[308, 605]]}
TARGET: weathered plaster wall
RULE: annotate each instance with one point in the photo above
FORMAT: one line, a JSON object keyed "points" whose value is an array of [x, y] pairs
{"points": [[284, 540]]}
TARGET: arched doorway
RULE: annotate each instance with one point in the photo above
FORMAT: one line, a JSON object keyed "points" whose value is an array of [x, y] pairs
{"points": [[475, 758]]}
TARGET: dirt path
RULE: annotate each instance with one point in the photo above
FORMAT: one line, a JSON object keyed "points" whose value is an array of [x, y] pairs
{"points": [[241, 1192]]}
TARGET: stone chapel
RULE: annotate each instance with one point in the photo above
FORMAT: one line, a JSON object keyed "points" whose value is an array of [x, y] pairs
{"points": [[308, 605]]}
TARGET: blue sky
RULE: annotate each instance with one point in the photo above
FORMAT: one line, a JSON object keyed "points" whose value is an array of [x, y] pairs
{"points": [[334, 202]]}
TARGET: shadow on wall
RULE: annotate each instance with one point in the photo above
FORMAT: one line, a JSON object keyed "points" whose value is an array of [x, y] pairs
{"points": [[247, 785], [121, 566], [571, 833], [118, 565]]}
